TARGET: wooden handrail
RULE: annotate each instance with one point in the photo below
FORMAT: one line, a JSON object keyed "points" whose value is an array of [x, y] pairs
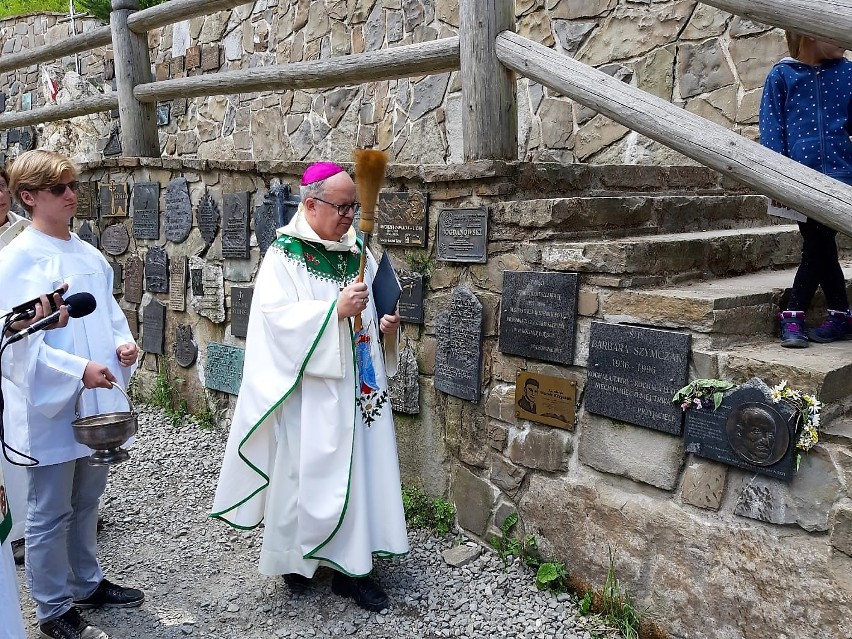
{"points": [[818, 196], [822, 19], [68, 46], [83, 106], [385, 64], [176, 10]]}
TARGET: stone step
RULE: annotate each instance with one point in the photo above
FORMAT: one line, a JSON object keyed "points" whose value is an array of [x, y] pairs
{"points": [[678, 256], [725, 310], [838, 431], [623, 215]]}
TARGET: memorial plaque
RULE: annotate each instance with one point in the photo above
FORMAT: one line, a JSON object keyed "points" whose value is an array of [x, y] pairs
{"points": [[748, 431], [146, 211], [113, 200], [117, 270], [27, 139], [235, 225], [458, 351], [403, 219], [157, 270], [276, 211], [163, 114], [113, 144], [87, 200], [196, 276], [546, 399], [153, 327], [463, 235], [26, 101], [210, 56], [132, 321], [634, 372], [109, 69], [178, 211], [186, 350], [192, 57], [538, 315], [134, 273], [240, 307], [177, 284], [2, 101], [404, 387], [411, 300], [224, 368], [14, 136], [115, 239], [179, 107], [211, 302], [86, 234], [207, 217]]}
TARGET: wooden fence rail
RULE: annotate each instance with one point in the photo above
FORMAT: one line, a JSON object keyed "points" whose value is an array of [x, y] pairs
{"points": [[54, 112]]}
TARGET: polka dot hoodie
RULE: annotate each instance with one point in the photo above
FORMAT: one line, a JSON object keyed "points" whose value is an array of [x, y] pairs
{"points": [[806, 114]]}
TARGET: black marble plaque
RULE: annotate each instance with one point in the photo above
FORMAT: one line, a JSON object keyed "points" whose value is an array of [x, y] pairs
{"points": [[86, 234], [87, 200], [113, 144], [411, 300], [115, 239], [134, 274], [146, 211], [458, 349], [178, 210], [163, 114], [277, 209], [117, 270], [634, 372], [179, 107], [27, 140], [132, 321], [224, 368], [207, 217], [235, 225], [196, 277], [113, 200], [153, 327], [157, 270], [177, 283], [748, 431], [240, 307], [402, 218], [538, 315], [186, 350], [463, 235], [14, 136]]}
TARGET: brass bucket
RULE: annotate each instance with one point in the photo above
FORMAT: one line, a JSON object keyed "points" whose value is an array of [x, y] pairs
{"points": [[105, 433]]}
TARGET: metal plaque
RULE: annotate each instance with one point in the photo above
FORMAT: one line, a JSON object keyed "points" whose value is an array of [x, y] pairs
{"points": [[177, 283], [192, 57], [134, 274], [178, 211], [538, 315], [403, 218], [153, 327], [86, 234], [163, 114], [186, 350], [240, 307], [157, 270], [27, 139], [224, 368], [411, 300], [546, 399], [235, 225], [146, 211], [113, 200], [87, 200], [132, 321], [276, 211], [179, 107], [404, 387], [14, 136], [633, 374], [748, 431], [109, 69], [207, 217], [458, 349], [196, 276], [113, 145], [26, 101], [211, 302], [463, 235], [115, 239], [117, 270], [210, 57]]}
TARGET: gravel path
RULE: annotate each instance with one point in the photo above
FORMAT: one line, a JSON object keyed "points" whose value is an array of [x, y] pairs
{"points": [[200, 576]]}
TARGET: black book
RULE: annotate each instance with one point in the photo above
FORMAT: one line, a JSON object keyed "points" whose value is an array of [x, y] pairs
{"points": [[386, 290]]}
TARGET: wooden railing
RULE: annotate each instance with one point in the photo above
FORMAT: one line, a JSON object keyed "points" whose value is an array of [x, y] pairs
{"points": [[487, 52]]}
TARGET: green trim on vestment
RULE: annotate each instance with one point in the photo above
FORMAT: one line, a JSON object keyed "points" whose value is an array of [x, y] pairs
{"points": [[6, 526], [334, 266], [298, 379]]}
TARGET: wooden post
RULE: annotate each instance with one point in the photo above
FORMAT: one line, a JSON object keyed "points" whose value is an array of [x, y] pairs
{"points": [[132, 67], [489, 101]]}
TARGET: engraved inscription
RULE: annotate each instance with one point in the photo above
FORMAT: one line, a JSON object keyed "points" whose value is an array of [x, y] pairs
{"points": [[87, 200], [157, 270], [178, 210], [146, 211], [115, 239], [463, 235], [224, 368], [240, 307], [186, 350], [235, 227], [177, 284], [402, 219], [458, 352], [153, 327], [207, 217], [134, 273], [411, 300]]}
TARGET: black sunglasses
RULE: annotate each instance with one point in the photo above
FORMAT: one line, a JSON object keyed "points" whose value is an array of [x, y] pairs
{"points": [[59, 189]]}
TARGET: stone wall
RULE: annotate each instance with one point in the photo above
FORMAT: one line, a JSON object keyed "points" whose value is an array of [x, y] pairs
{"points": [[693, 55]]}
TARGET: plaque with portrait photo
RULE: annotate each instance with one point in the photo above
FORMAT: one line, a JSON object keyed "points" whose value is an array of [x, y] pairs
{"points": [[546, 399], [402, 218]]}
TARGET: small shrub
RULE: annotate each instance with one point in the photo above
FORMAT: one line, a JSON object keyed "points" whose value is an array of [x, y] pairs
{"points": [[585, 605], [430, 514], [551, 576], [102, 8]]}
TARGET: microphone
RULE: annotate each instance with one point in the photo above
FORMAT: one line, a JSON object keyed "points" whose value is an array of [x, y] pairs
{"points": [[79, 305]]}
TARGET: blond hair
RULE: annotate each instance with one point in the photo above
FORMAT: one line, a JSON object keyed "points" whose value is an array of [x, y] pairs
{"points": [[794, 42], [37, 169]]}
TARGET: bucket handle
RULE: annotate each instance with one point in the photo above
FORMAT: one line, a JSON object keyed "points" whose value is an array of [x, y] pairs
{"points": [[114, 385]]}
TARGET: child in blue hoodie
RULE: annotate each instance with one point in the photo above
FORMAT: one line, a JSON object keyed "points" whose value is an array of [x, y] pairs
{"points": [[806, 114]]}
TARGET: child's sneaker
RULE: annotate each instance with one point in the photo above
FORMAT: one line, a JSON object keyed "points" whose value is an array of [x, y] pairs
{"points": [[793, 329], [837, 326]]}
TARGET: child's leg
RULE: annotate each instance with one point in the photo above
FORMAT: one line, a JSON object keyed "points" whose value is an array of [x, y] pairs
{"points": [[838, 325], [811, 266], [89, 484]]}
